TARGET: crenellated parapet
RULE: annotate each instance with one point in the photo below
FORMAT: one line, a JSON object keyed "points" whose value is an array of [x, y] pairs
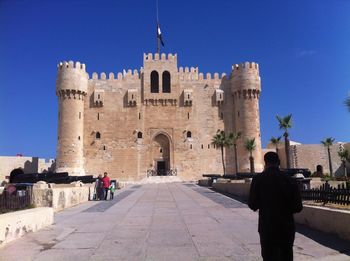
{"points": [[150, 57], [189, 74], [72, 80], [120, 76], [245, 81]]}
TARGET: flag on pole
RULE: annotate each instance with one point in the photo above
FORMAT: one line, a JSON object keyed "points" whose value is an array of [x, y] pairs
{"points": [[159, 34]]}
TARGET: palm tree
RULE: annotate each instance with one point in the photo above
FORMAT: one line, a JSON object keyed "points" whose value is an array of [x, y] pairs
{"points": [[276, 142], [328, 142], [250, 146], [347, 103], [344, 157], [235, 136], [220, 140], [285, 123]]}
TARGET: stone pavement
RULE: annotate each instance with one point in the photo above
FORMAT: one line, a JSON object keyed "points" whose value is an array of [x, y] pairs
{"points": [[173, 221]]}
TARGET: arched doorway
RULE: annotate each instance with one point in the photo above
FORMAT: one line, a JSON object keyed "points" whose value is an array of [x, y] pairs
{"points": [[161, 154]]}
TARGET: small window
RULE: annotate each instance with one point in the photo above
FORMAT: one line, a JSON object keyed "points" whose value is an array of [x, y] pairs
{"points": [[104, 147], [202, 146], [132, 96], [188, 115], [78, 137], [161, 150], [79, 115], [98, 116], [139, 116], [166, 82], [221, 115], [139, 135], [98, 96], [208, 146], [188, 96], [189, 134], [154, 82], [191, 146], [238, 114], [98, 135], [220, 96]]}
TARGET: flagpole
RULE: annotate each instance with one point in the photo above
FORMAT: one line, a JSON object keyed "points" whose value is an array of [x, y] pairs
{"points": [[158, 39]]}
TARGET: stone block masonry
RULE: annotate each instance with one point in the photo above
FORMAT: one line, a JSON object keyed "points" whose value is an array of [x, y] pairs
{"points": [[161, 118]]}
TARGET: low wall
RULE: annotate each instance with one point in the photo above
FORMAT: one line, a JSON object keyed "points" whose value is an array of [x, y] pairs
{"points": [[320, 218], [15, 224], [326, 220], [61, 196], [238, 188]]}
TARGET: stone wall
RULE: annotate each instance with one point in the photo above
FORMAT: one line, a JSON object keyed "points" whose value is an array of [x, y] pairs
{"points": [[61, 196], [311, 155], [15, 224], [28, 164], [128, 129]]}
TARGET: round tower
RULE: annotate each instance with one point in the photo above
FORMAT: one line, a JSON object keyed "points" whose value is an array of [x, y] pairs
{"points": [[71, 89], [246, 87]]}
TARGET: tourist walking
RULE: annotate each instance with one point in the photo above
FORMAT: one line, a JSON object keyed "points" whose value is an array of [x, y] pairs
{"points": [[277, 197], [106, 183]]}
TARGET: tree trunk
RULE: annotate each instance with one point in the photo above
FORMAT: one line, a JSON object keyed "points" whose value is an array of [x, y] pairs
{"points": [[286, 148], [344, 166], [223, 160], [251, 159], [236, 161], [330, 162]]}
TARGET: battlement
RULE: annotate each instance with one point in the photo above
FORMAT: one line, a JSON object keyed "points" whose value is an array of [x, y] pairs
{"points": [[156, 57], [192, 74], [129, 74], [245, 66], [71, 65]]}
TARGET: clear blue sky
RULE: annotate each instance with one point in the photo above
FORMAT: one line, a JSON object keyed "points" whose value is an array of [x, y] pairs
{"points": [[302, 46]]}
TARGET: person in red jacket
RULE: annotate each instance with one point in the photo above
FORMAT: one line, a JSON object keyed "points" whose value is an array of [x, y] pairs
{"points": [[106, 183]]}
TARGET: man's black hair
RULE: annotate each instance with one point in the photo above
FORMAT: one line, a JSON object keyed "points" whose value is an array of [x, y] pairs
{"points": [[271, 158]]}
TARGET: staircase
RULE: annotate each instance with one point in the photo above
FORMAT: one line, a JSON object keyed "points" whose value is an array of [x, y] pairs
{"points": [[160, 179]]}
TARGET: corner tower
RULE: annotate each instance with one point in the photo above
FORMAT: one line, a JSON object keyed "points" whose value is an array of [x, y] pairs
{"points": [[246, 88], [71, 89]]}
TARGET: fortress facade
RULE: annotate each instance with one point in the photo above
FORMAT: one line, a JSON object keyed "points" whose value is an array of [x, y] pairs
{"points": [[160, 119]]}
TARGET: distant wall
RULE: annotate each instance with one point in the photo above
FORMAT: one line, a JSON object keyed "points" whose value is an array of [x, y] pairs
{"points": [[28, 164], [311, 155]]}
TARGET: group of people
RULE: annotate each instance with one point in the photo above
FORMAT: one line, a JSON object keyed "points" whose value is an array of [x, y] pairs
{"points": [[102, 186]]}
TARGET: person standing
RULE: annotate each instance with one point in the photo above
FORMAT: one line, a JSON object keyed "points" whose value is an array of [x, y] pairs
{"points": [[277, 197], [106, 182], [99, 188]]}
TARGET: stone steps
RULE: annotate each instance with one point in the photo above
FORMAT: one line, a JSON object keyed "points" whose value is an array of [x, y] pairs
{"points": [[160, 179]]}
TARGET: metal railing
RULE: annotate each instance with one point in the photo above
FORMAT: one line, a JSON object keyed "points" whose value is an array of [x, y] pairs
{"points": [[328, 194], [161, 172], [16, 200]]}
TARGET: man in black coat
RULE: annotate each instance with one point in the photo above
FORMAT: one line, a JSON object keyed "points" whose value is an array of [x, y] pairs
{"points": [[277, 197]]}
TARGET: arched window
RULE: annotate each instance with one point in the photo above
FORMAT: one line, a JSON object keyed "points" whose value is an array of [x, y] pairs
{"points": [[154, 82], [166, 82], [139, 135], [98, 135], [189, 134]]}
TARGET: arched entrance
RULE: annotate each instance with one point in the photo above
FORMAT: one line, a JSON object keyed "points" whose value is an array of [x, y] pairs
{"points": [[161, 154]]}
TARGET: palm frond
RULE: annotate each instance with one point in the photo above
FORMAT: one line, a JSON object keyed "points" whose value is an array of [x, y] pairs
{"points": [[250, 144], [347, 103]]}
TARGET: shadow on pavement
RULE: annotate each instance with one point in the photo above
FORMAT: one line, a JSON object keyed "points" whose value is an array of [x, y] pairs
{"points": [[326, 239]]}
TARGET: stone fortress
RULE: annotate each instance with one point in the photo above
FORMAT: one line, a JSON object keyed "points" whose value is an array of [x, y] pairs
{"points": [[161, 118]]}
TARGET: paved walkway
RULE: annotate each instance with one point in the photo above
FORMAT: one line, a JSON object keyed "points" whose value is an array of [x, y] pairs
{"points": [[171, 221]]}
